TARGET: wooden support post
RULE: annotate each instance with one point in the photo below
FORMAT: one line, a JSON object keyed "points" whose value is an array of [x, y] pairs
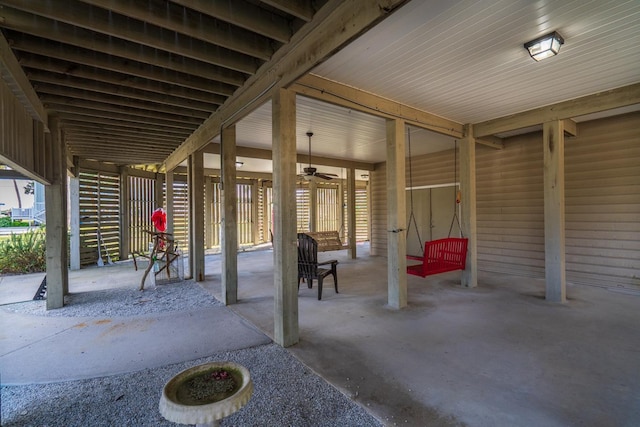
{"points": [[467, 169], [285, 252], [396, 215], [229, 231], [169, 200], [159, 191], [125, 217], [208, 213], [196, 215], [351, 210], [313, 206], [74, 219], [56, 214], [554, 214], [255, 238]]}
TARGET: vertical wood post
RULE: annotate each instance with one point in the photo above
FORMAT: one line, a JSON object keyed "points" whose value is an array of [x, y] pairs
{"points": [[554, 211], [351, 210], [396, 215], [196, 215], [468, 208], [208, 213], [56, 214], [159, 192], [169, 200], [229, 232], [313, 206], [74, 218], [255, 188], [285, 251], [125, 216]]}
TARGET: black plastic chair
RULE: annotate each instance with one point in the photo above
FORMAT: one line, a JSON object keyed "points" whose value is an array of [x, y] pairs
{"points": [[308, 266]]}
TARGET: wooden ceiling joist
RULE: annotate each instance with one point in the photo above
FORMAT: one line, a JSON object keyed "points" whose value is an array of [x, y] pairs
{"points": [[332, 27], [137, 126]]}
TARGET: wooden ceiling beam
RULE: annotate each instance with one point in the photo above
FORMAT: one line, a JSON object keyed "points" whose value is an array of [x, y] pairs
{"points": [[101, 127], [184, 21], [73, 137], [332, 27], [41, 64], [77, 111], [65, 33], [16, 79], [244, 15], [137, 126], [105, 110], [204, 78], [48, 83], [302, 9], [97, 102], [260, 153], [320, 88], [602, 101], [98, 20]]}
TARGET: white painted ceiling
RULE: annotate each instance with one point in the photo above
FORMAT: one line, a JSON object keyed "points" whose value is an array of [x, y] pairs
{"points": [[463, 60]]}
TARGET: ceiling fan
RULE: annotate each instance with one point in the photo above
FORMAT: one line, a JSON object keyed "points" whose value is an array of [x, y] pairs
{"points": [[310, 172]]}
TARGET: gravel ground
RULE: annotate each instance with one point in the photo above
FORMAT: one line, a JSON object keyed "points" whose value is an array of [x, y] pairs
{"points": [[116, 302], [286, 393]]}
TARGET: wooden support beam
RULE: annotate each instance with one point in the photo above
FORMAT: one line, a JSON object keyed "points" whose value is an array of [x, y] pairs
{"points": [[332, 27], [261, 153], [168, 178], [17, 81], [491, 141], [229, 229], [196, 216], [468, 215], [351, 211], [396, 215], [589, 104], [74, 223], [125, 216], [554, 212], [285, 252], [336, 93], [313, 206], [56, 218], [570, 127], [208, 211]]}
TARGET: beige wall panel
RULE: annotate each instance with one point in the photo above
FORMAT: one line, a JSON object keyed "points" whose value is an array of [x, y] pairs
{"points": [[603, 202]]}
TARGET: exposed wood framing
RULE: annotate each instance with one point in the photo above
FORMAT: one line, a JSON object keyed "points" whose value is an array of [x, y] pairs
{"points": [[12, 73], [346, 96], [602, 101], [332, 27]]}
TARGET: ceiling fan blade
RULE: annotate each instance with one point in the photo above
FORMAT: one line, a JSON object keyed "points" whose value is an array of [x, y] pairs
{"points": [[323, 176]]}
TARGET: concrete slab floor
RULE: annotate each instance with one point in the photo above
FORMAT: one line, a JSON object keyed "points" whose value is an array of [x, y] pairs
{"points": [[496, 355]]}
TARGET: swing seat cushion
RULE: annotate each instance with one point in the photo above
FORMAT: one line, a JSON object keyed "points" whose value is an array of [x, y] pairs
{"points": [[440, 256]]}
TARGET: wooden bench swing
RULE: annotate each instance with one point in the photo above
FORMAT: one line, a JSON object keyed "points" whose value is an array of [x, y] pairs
{"points": [[441, 255]]}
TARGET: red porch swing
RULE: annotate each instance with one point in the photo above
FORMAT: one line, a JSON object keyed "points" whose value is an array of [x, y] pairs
{"points": [[441, 255]]}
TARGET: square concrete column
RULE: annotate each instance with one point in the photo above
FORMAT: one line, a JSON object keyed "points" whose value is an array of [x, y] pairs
{"points": [[196, 215], [554, 211], [468, 208], [396, 215], [229, 231], [351, 211], [285, 252], [56, 217]]}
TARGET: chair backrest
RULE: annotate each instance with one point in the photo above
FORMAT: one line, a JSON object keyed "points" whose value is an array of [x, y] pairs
{"points": [[307, 256]]}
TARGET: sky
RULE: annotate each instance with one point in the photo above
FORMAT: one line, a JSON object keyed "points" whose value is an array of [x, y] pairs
{"points": [[8, 198]]}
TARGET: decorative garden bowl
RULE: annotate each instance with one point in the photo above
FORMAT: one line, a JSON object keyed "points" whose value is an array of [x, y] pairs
{"points": [[204, 394]]}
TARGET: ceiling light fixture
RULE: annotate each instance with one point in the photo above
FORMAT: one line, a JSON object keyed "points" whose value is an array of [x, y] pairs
{"points": [[239, 164], [545, 46]]}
